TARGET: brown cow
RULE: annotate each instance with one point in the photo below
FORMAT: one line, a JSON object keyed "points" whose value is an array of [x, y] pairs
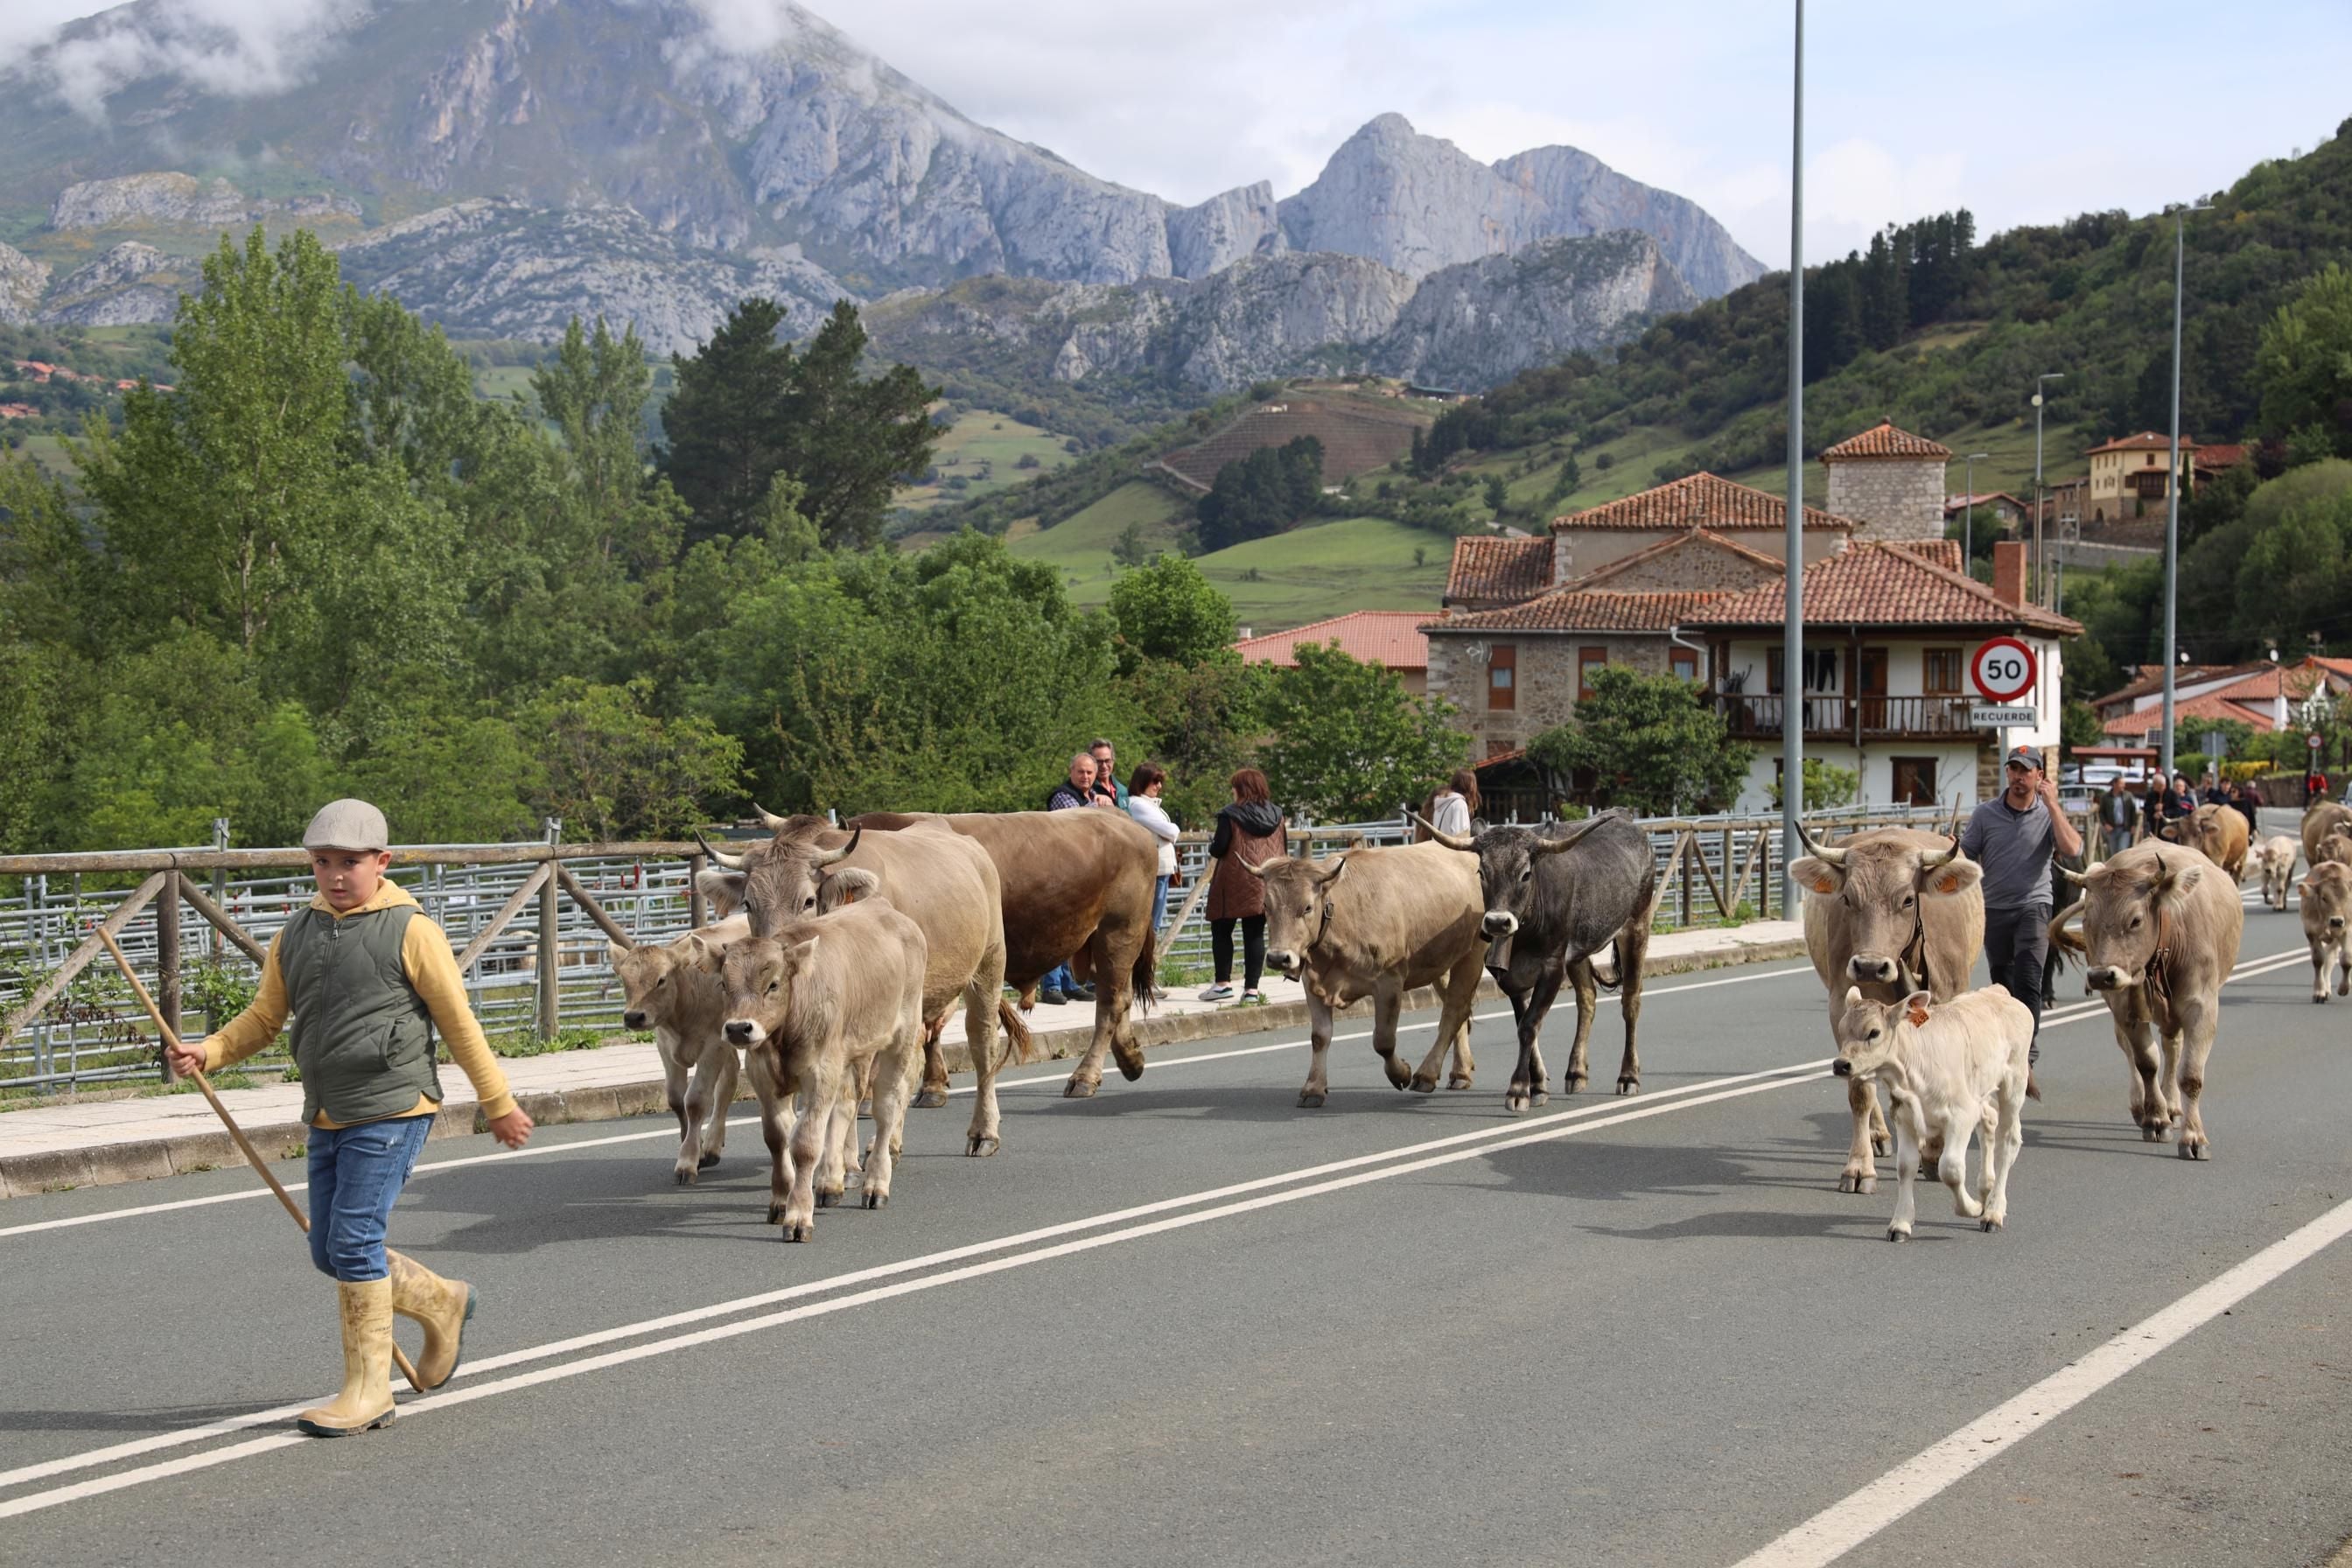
{"points": [[2216, 831], [819, 1006], [2327, 925], [946, 884], [1378, 922], [2160, 933], [665, 989], [2327, 833], [1893, 911], [1076, 885]]}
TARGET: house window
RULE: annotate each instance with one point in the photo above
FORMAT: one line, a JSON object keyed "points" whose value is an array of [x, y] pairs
{"points": [[1943, 672], [1588, 659], [1775, 666], [1503, 677], [1682, 663], [1820, 669], [1914, 781]]}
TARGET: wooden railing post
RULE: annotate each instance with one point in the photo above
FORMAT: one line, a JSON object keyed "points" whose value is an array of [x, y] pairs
{"points": [[550, 952], [167, 964], [697, 917]]}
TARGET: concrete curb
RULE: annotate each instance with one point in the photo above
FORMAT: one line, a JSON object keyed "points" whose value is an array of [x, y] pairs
{"points": [[23, 1176]]}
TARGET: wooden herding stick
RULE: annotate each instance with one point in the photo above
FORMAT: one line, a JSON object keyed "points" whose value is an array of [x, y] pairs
{"points": [[407, 1369]]}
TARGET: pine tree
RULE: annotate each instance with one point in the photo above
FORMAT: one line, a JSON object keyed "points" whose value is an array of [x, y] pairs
{"points": [[725, 422]]}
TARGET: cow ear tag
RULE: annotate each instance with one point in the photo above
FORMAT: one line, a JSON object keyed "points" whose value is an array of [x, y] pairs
{"points": [[1825, 886], [1949, 885], [1919, 1016]]}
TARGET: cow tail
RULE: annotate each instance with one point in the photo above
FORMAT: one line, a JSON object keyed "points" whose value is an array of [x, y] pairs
{"points": [[1145, 978], [1020, 1045]]}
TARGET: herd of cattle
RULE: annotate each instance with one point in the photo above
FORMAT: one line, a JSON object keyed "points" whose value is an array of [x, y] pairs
{"points": [[842, 951]]}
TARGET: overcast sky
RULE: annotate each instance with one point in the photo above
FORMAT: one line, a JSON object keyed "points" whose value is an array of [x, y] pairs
{"points": [[2024, 111]]}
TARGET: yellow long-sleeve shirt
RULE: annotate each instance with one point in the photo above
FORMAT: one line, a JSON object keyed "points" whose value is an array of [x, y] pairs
{"points": [[426, 963]]}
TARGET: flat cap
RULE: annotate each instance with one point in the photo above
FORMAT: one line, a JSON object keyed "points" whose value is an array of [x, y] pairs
{"points": [[347, 825]]}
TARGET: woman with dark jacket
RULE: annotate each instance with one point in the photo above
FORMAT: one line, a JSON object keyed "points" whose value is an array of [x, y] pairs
{"points": [[1249, 832]]}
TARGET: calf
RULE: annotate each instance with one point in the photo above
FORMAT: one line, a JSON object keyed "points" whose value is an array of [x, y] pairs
{"points": [[2327, 926], [821, 1004], [673, 991], [2277, 861], [1952, 1069]]}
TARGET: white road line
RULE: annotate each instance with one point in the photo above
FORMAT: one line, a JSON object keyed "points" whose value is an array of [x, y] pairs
{"points": [[1038, 1080], [1844, 1525], [480, 1364], [35, 1501]]}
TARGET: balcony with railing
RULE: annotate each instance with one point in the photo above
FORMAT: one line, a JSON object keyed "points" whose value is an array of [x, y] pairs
{"points": [[1835, 717]]}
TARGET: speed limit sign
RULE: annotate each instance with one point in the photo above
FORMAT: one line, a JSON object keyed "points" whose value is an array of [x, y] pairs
{"points": [[2003, 670]]}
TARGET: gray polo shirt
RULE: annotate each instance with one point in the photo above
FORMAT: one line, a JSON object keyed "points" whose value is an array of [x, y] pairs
{"points": [[2015, 848]]}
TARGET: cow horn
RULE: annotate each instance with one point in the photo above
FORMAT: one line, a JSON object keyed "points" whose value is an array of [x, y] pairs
{"points": [[1451, 840], [828, 856], [1933, 862], [1815, 847], [718, 857], [1255, 867], [1543, 847], [768, 819], [2077, 878]]}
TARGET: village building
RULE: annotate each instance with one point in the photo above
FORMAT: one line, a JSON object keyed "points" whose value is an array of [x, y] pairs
{"points": [[2261, 695], [1390, 638], [1890, 482], [2008, 513], [2130, 472]]}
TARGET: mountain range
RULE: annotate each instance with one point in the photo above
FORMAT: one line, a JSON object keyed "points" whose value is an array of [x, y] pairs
{"points": [[500, 166]]}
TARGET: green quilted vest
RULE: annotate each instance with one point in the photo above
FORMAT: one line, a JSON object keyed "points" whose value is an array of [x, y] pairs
{"points": [[363, 1037]]}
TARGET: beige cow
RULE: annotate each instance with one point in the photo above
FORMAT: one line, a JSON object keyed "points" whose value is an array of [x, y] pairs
{"points": [[1377, 923], [2277, 859], [1892, 910], [2161, 927], [671, 991], [824, 1003], [2327, 833], [2327, 926], [2216, 831], [1953, 1070]]}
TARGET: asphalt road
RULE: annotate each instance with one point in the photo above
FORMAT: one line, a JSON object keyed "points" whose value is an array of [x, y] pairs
{"points": [[1187, 1321]]}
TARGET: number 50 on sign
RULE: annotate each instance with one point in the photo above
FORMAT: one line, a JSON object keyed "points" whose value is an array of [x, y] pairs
{"points": [[2003, 670]]}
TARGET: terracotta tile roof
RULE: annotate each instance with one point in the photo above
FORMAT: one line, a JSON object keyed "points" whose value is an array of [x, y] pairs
{"points": [[1698, 538], [1490, 568], [2145, 441], [1983, 497], [2267, 682], [2227, 454], [1881, 584], [1944, 552], [2140, 720], [1389, 637], [1700, 501], [2150, 678], [1496, 759], [1884, 440], [1571, 609]]}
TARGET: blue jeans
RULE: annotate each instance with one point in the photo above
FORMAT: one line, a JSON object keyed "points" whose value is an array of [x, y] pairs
{"points": [[1059, 978], [1159, 904], [356, 1175]]}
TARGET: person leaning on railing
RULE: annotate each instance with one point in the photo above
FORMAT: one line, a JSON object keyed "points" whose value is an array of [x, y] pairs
{"points": [[367, 978]]}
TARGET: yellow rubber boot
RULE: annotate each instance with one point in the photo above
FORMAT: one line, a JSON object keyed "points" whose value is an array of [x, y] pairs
{"points": [[366, 1399], [442, 1307]]}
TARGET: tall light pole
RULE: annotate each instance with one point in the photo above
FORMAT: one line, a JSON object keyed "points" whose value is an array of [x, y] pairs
{"points": [[1968, 515], [2040, 578], [2172, 484], [1793, 631]]}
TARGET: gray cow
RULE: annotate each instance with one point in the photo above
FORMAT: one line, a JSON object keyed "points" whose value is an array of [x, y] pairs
{"points": [[1556, 898]]}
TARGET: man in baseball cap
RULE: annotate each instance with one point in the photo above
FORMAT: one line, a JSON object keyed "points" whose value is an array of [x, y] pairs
{"points": [[368, 980], [2013, 836]]}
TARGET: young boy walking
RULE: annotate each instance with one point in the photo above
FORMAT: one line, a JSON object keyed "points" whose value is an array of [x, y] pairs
{"points": [[368, 980]]}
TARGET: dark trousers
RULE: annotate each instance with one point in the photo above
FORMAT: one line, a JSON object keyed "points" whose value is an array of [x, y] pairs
{"points": [[1221, 943], [2017, 941]]}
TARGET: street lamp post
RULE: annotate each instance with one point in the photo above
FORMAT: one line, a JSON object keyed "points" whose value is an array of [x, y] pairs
{"points": [[1792, 636], [2040, 578], [1968, 514], [2172, 484]]}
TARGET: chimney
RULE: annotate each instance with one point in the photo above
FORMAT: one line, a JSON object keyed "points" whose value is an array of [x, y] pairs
{"points": [[2009, 570]]}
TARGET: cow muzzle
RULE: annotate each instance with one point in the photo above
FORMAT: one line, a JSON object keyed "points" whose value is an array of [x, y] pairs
{"points": [[1497, 924], [1283, 963], [2105, 977], [632, 1019], [744, 1032], [1866, 969], [1841, 1068], [2336, 923]]}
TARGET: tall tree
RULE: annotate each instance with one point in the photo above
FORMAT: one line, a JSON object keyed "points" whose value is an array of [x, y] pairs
{"points": [[1350, 744], [725, 423], [2304, 365], [852, 440], [1653, 742]]}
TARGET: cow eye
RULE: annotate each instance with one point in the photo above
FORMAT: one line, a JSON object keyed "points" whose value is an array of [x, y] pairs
{"points": [[660, 981], [772, 988], [1872, 1036], [808, 903], [1529, 875], [1908, 901], [2134, 923]]}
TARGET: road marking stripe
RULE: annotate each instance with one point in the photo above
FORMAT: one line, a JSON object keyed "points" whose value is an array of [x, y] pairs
{"points": [[1041, 1079], [35, 1501], [478, 1365], [1844, 1525]]}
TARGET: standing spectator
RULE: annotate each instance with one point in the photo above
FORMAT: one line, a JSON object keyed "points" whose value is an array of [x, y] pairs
{"points": [[1143, 792], [1249, 832], [2315, 788], [2241, 795], [2015, 836], [2176, 801], [2120, 813], [1451, 808], [1108, 789], [1058, 984]]}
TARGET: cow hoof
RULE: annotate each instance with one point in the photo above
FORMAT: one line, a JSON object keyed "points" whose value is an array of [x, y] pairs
{"points": [[1131, 1064], [1989, 1224], [2153, 1134], [826, 1200], [683, 1177], [1079, 1089], [932, 1096], [1516, 1103], [876, 1200], [1539, 1097], [1882, 1146], [1629, 1086], [2191, 1150], [981, 1147], [1856, 1182], [707, 1162], [1458, 1080], [1310, 1098], [1421, 1085], [775, 1213], [1572, 1083], [1897, 1233], [804, 1232]]}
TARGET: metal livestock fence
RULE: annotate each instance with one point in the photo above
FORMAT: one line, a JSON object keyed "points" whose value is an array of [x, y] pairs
{"points": [[68, 1021]]}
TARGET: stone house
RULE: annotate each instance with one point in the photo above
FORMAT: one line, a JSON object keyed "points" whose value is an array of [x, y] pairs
{"points": [[1889, 481]]}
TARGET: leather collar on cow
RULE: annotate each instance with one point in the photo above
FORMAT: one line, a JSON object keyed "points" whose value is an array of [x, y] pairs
{"points": [[2157, 976], [1915, 953]]}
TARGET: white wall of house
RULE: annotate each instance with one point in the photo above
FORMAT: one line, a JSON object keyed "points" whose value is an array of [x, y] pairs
{"points": [[1956, 771]]}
